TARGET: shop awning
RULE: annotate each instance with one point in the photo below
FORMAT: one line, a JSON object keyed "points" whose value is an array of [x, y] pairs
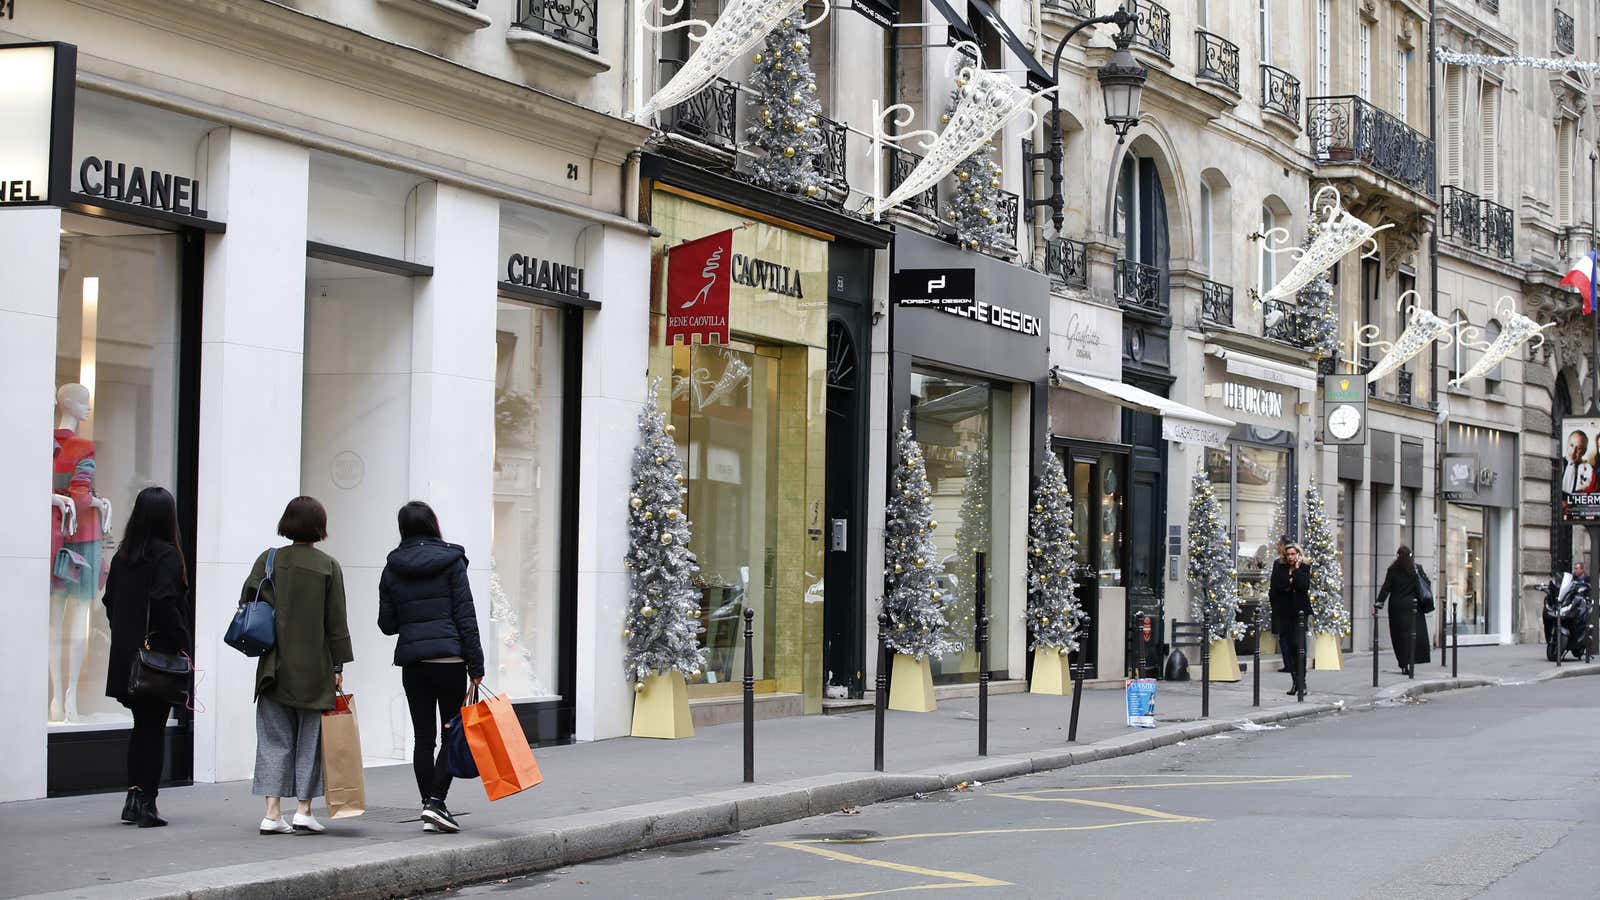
{"points": [[959, 29], [1039, 77], [881, 12], [1178, 422], [1260, 368]]}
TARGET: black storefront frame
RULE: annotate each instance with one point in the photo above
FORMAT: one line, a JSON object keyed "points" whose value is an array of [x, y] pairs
{"points": [[1073, 450], [1242, 437], [95, 760]]}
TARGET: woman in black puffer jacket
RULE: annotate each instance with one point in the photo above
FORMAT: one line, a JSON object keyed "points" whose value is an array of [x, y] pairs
{"points": [[424, 597]]}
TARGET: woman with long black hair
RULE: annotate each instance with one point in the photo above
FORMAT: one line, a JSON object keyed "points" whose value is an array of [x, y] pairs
{"points": [[1407, 625], [145, 598]]}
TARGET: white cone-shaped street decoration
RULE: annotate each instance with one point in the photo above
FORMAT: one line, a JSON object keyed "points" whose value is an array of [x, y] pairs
{"points": [[742, 25], [1340, 234], [1518, 331], [1422, 329]]}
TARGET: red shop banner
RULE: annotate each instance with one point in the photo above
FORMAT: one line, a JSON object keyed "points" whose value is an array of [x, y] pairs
{"points": [[699, 280]]}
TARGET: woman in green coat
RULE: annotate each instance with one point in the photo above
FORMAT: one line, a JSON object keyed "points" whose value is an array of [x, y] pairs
{"points": [[297, 679]]}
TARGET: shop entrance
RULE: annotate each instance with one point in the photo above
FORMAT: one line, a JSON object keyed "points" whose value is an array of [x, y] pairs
{"points": [[1096, 478]]}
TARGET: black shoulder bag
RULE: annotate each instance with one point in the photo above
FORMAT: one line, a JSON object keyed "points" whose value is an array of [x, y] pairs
{"points": [[158, 677]]}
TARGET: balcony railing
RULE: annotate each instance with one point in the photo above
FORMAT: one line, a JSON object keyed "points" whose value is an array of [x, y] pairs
{"points": [[1218, 60], [1280, 93], [1493, 6], [1139, 285], [1153, 27], [1348, 130], [1460, 210], [710, 117], [570, 21], [1498, 237], [1216, 304], [1067, 262], [1566, 40], [830, 164], [1079, 9], [1280, 321], [901, 164], [1009, 204]]}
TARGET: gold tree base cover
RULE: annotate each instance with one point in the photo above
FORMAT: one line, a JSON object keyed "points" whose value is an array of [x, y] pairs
{"points": [[911, 688], [1050, 673], [1224, 661], [661, 710]]}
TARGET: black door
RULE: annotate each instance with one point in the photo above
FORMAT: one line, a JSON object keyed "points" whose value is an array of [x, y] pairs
{"points": [[1083, 474], [1147, 518], [843, 603]]}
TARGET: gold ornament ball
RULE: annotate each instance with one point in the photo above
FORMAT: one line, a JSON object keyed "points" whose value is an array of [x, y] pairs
{"points": [[796, 100], [812, 121], [905, 492], [898, 568], [994, 182], [961, 82], [936, 595], [1037, 507], [1044, 620], [636, 502], [811, 88], [920, 561], [962, 176], [661, 460], [756, 58], [933, 524], [1038, 552], [1062, 573], [648, 515], [812, 190], [777, 67], [972, 245], [985, 211], [672, 514], [788, 152], [799, 129], [900, 626], [627, 632], [671, 428], [944, 119], [678, 478], [793, 75], [638, 686], [798, 46], [647, 611], [951, 215], [998, 171], [924, 629]]}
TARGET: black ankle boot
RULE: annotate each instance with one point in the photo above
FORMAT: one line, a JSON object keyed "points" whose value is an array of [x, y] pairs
{"points": [[130, 807], [148, 816]]}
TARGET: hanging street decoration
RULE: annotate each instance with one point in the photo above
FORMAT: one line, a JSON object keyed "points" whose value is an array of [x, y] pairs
{"points": [[1518, 330], [1422, 329], [1337, 235], [742, 25], [985, 102], [1482, 61]]}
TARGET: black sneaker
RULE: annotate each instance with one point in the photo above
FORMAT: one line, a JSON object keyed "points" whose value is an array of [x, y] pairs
{"points": [[434, 813], [130, 807]]}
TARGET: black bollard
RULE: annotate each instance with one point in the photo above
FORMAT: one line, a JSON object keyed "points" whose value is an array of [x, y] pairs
{"points": [[1077, 695], [1455, 639], [880, 696], [1255, 661], [1374, 645], [749, 697], [1301, 663], [980, 597], [1205, 672]]}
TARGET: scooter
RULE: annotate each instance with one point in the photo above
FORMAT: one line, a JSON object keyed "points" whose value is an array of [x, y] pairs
{"points": [[1568, 611]]}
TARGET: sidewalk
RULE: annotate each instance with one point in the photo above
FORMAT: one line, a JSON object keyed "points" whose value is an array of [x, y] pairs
{"points": [[612, 796]]}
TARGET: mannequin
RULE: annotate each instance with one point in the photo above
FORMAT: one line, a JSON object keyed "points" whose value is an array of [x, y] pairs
{"points": [[80, 521]]}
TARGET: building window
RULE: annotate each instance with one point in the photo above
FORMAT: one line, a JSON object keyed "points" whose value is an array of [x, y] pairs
{"points": [[1206, 226], [1364, 62], [1564, 154], [1202, 13], [1402, 64], [1458, 352], [1494, 376], [1267, 275], [1324, 50], [1466, 565], [1264, 28], [1489, 142], [1253, 484], [1453, 93]]}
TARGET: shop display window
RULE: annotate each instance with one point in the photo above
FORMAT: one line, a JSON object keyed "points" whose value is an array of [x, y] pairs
{"points": [[964, 429], [1467, 566], [116, 424], [1253, 484]]}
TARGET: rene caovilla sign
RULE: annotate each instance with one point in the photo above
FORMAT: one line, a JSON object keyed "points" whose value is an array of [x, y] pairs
{"points": [[36, 123]]}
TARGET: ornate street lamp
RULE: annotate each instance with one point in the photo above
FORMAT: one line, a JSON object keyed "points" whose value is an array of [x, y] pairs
{"points": [[1121, 82]]}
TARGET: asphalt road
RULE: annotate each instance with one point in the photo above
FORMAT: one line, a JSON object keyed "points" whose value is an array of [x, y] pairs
{"points": [[1481, 793]]}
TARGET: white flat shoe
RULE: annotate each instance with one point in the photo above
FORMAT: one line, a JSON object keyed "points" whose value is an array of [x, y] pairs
{"points": [[276, 826], [308, 823]]}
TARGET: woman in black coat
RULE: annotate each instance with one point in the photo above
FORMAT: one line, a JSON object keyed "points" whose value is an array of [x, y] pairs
{"points": [[145, 603], [423, 597], [1290, 592], [1406, 623]]}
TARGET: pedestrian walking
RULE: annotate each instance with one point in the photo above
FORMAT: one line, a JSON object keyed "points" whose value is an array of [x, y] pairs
{"points": [[297, 679], [424, 598], [146, 604], [1290, 593], [1408, 629]]}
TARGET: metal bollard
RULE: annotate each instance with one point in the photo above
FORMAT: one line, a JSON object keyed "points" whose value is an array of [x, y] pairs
{"points": [[1077, 695], [1255, 687], [1374, 645], [1205, 671], [1301, 663], [749, 697], [1455, 639], [880, 696], [980, 597]]}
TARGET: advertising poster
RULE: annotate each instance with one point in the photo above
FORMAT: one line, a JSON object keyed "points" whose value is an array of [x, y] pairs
{"points": [[1580, 471]]}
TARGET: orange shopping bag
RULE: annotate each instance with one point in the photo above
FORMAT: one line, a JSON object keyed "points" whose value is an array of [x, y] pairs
{"points": [[499, 747]]}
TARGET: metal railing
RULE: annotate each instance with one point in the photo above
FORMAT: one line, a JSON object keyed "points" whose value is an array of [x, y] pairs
{"points": [[1492, 6], [1009, 204], [1498, 230], [1152, 27], [1082, 9], [1216, 304], [1566, 40], [1404, 386], [1348, 130], [901, 164], [1218, 60], [572, 22], [1067, 262], [1140, 286], [831, 162], [1280, 321], [710, 117], [1280, 92], [1460, 209]]}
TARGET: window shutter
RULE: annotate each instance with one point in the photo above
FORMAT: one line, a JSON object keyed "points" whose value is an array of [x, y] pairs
{"points": [[1489, 142], [1564, 172], [1324, 51], [1453, 77], [1364, 63]]}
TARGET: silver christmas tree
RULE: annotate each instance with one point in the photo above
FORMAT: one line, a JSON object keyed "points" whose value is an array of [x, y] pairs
{"points": [[914, 602], [1328, 612], [1055, 616], [973, 205], [787, 129], [1318, 313], [1213, 580], [662, 626], [972, 536]]}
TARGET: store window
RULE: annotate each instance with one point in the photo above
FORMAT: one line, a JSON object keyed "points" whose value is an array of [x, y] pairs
{"points": [[1253, 483], [964, 428], [525, 560], [116, 425], [1466, 566]]}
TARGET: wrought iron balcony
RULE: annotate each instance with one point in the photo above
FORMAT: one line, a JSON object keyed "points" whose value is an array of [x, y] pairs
{"points": [[1067, 262], [901, 164], [1280, 321], [1348, 130], [1218, 60], [831, 163], [1492, 6], [1498, 237], [1078, 9], [1566, 41], [1009, 204], [1216, 304], [710, 117], [1152, 27], [1405, 386], [1280, 93], [1460, 211], [572, 22], [1140, 286]]}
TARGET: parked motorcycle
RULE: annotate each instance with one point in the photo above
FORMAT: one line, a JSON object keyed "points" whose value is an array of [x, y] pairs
{"points": [[1568, 619]]}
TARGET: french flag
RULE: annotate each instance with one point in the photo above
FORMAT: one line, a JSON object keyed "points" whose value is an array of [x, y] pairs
{"points": [[1582, 278]]}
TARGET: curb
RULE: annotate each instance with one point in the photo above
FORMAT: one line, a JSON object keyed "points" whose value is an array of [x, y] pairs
{"points": [[409, 867]]}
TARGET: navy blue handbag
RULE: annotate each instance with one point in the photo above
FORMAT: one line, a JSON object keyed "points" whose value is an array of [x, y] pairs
{"points": [[254, 629], [458, 759]]}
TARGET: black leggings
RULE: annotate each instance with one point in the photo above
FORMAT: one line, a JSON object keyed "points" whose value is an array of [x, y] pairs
{"points": [[433, 687], [147, 746]]}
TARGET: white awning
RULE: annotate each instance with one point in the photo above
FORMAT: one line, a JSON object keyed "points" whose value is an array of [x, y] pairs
{"points": [[1178, 422], [1260, 368]]}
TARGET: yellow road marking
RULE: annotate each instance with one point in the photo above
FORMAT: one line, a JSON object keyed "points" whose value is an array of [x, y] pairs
{"points": [[952, 879], [1155, 815], [1270, 779]]}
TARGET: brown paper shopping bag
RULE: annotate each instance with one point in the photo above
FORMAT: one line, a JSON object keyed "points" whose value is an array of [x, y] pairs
{"points": [[343, 780], [499, 747]]}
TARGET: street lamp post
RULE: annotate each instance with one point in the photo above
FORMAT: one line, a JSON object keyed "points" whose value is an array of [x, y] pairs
{"points": [[1121, 82]]}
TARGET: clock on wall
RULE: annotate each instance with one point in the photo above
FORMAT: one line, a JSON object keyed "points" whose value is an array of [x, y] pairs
{"points": [[1344, 421]]}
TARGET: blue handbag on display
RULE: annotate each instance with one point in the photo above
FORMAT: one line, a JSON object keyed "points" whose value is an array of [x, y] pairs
{"points": [[254, 629]]}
